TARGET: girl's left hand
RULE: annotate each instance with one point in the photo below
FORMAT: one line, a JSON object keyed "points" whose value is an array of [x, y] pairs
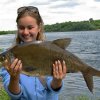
{"points": [[59, 72]]}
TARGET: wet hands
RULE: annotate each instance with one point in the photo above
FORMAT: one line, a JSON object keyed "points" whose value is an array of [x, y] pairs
{"points": [[14, 68], [59, 72]]}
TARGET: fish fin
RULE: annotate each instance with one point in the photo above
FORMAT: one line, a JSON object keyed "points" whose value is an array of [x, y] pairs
{"points": [[89, 81], [63, 43]]}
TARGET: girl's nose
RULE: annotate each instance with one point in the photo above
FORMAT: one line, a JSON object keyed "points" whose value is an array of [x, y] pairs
{"points": [[26, 31]]}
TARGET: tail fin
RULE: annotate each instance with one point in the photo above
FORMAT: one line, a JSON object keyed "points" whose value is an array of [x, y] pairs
{"points": [[88, 76]]}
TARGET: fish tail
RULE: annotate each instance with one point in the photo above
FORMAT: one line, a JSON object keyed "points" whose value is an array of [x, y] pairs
{"points": [[88, 76], [93, 71]]}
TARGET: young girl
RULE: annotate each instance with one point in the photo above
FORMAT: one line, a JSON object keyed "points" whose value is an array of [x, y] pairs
{"points": [[23, 87]]}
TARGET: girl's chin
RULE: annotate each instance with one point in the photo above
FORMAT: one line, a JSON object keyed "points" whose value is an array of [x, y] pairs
{"points": [[27, 40], [30, 40]]}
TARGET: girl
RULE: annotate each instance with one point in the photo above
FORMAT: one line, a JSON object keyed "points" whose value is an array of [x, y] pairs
{"points": [[23, 87]]}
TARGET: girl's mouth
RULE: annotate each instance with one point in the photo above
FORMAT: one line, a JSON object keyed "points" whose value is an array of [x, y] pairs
{"points": [[28, 37]]}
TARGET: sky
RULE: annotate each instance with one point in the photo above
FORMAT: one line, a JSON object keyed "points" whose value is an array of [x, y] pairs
{"points": [[52, 11]]}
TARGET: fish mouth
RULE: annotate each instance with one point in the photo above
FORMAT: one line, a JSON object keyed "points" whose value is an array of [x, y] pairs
{"points": [[0, 64]]}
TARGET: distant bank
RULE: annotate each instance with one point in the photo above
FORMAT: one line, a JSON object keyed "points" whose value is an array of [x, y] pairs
{"points": [[67, 26]]}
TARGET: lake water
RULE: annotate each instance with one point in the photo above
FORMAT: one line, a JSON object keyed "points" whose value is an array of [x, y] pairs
{"points": [[84, 44]]}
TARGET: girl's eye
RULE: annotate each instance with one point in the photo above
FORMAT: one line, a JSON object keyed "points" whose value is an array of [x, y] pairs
{"points": [[30, 27], [21, 27]]}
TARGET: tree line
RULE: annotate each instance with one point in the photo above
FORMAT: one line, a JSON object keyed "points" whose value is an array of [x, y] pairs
{"points": [[74, 26], [67, 26]]}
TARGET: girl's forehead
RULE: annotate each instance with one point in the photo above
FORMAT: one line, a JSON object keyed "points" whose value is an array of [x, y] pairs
{"points": [[27, 20]]}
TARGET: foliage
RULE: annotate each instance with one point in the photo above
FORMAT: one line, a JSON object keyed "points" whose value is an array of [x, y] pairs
{"points": [[3, 95], [73, 26], [7, 32]]}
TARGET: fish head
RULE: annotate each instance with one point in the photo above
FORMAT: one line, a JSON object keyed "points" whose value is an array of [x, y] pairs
{"points": [[3, 57]]}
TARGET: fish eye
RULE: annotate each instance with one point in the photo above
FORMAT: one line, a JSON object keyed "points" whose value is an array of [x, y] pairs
{"points": [[2, 58]]}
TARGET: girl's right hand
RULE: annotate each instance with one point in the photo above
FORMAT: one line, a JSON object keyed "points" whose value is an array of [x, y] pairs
{"points": [[14, 68]]}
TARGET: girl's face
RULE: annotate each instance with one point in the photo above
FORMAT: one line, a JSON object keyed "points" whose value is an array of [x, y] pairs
{"points": [[28, 28]]}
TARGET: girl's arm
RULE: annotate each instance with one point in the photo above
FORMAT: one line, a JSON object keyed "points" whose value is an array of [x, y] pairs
{"points": [[14, 70]]}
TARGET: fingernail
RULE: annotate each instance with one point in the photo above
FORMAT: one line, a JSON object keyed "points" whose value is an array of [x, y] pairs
{"points": [[58, 61], [16, 58], [53, 65], [63, 62]]}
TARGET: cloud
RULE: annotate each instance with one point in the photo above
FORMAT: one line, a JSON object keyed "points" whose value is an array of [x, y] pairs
{"points": [[61, 12], [63, 4], [72, 4], [52, 11], [97, 0], [10, 1], [62, 7], [39, 3]]}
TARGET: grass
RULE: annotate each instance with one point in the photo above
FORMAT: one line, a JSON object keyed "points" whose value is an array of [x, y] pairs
{"points": [[3, 95], [81, 97]]}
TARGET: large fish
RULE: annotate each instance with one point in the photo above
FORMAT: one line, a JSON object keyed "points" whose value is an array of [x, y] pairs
{"points": [[38, 57]]}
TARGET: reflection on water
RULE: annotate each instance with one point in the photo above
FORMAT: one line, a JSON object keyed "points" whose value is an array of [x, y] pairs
{"points": [[84, 44]]}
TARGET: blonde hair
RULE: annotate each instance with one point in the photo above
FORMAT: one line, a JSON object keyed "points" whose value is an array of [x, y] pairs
{"points": [[39, 21]]}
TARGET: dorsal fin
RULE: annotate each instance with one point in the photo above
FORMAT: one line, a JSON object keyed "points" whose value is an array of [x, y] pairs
{"points": [[63, 43]]}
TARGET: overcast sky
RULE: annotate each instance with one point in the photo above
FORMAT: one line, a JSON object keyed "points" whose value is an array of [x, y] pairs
{"points": [[52, 11]]}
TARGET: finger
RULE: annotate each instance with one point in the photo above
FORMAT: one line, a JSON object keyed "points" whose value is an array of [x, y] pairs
{"points": [[17, 66], [64, 68], [11, 69], [6, 64], [54, 71], [14, 63], [59, 67], [20, 68], [61, 74], [56, 66]]}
